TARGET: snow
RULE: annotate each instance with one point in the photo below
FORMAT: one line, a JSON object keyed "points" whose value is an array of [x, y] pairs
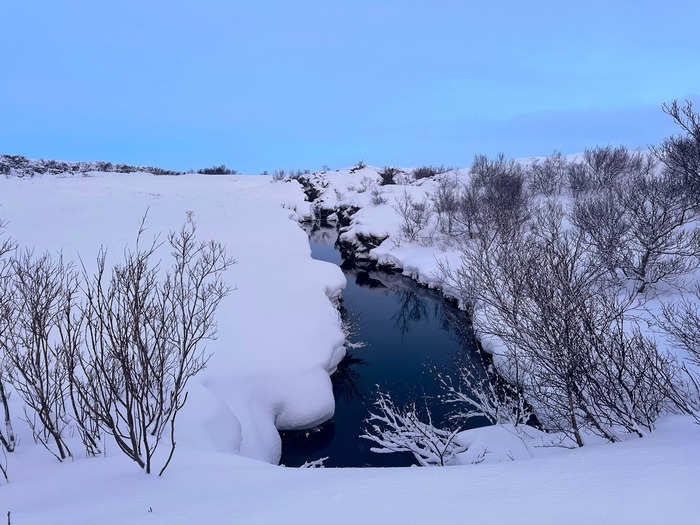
{"points": [[643, 481], [280, 337], [279, 332]]}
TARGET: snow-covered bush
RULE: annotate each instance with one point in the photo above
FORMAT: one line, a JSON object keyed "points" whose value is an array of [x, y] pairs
{"points": [[357, 167], [20, 166], [397, 429], [477, 393]]}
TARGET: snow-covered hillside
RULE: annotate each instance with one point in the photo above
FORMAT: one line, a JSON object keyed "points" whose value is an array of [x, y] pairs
{"points": [[280, 336], [279, 331]]}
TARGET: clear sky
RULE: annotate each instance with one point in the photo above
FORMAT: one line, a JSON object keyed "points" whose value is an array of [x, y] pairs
{"points": [[263, 85]]}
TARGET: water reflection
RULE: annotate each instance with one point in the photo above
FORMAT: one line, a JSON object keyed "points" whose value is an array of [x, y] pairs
{"points": [[346, 379]]}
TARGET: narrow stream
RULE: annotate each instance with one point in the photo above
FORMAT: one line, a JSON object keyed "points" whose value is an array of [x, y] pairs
{"points": [[404, 334]]}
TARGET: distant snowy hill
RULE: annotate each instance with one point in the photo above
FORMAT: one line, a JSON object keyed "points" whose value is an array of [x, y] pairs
{"points": [[20, 166]]}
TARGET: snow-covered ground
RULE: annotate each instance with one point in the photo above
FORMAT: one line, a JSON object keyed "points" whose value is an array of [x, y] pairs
{"points": [[645, 481], [279, 338], [279, 333]]}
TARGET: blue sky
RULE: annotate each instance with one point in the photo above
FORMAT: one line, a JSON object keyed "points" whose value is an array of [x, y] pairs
{"points": [[263, 85]]}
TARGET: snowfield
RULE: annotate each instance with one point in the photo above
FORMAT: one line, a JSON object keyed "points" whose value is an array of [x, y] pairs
{"points": [[280, 337], [647, 481], [279, 333]]}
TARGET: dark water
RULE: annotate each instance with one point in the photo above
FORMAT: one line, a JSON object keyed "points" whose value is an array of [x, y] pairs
{"points": [[408, 332]]}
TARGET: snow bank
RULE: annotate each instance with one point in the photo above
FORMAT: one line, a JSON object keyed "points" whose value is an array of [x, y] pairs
{"points": [[643, 481], [279, 334]]}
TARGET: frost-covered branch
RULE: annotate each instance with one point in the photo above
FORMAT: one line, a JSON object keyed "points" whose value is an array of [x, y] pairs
{"points": [[396, 429], [476, 393], [316, 463]]}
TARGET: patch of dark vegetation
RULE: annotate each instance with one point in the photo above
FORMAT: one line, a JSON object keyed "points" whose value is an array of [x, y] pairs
{"points": [[425, 172], [217, 170], [388, 175], [357, 167]]}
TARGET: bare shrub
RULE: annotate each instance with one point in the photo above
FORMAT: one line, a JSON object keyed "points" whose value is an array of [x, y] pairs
{"points": [[388, 175], [425, 172], [603, 167], [278, 175], [396, 429], [579, 179], [542, 295], [642, 227], [145, 339], [365, 184], [603, 221], [681, 322], [660, 246], [627, 379], [42, 336], [547, 177], [377, 197], [7, 316], [680, 155], [446, 200], [415, 215], [467, 219], [41, 287], [497, 196]]}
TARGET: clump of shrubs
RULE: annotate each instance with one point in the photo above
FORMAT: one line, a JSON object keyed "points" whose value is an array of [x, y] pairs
{"points": [[388, 175], [109, 352], [547, 177], [377, 197], [217, 170], [415, 215], [357, 167], [19, 166], [425, 172]]}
